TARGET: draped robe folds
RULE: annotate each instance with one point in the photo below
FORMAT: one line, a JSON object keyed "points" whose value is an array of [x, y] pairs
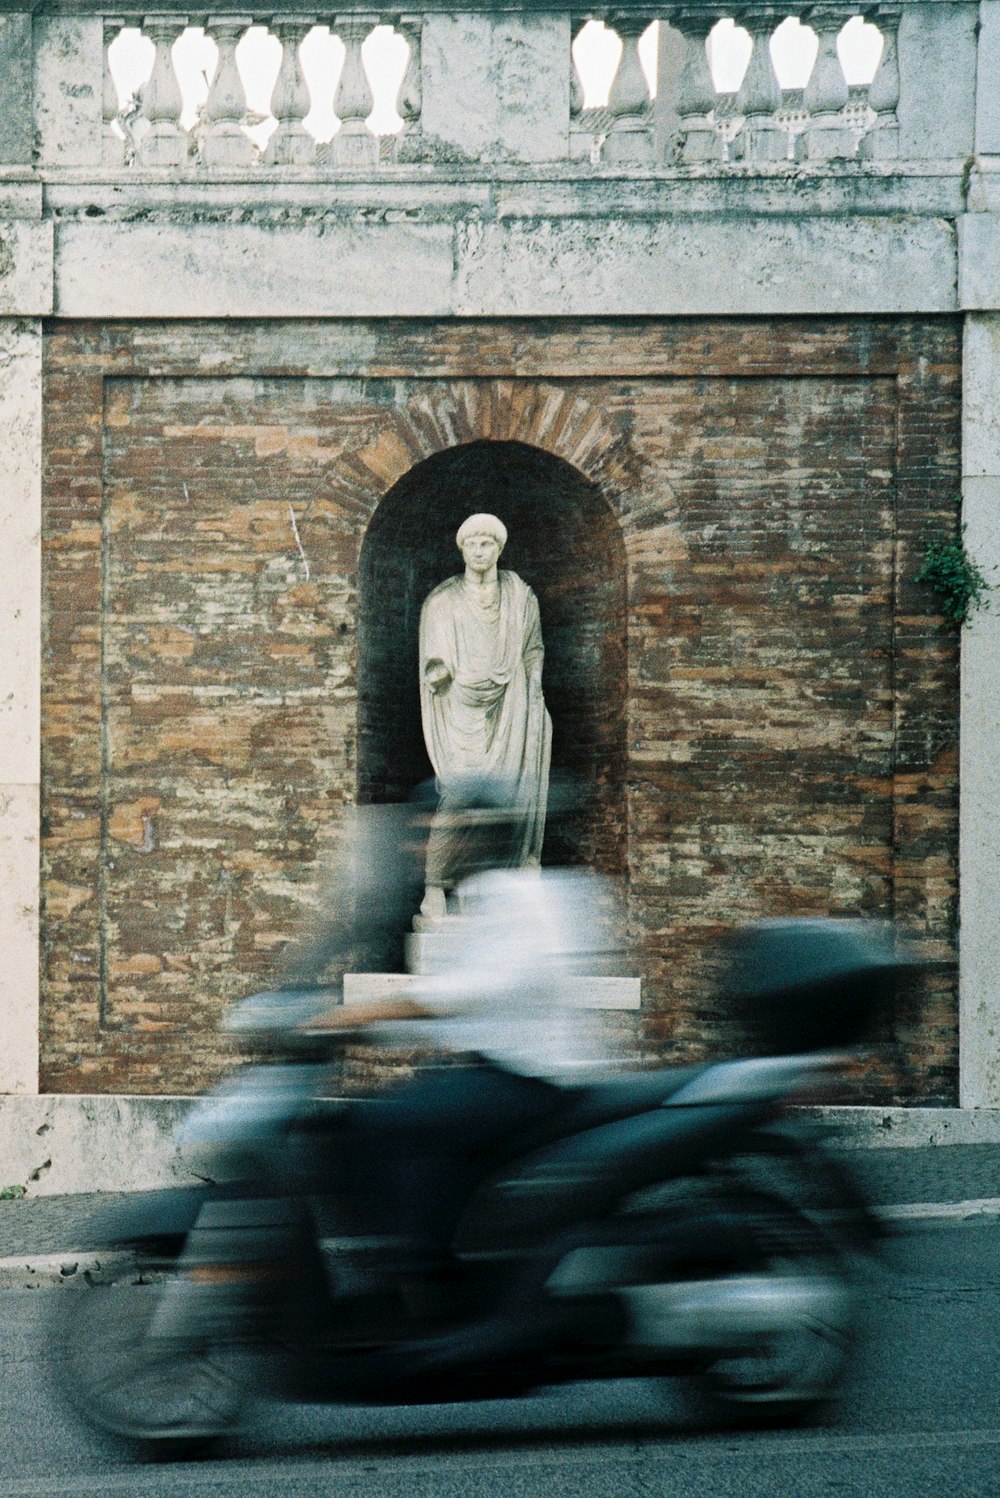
{"points": [[489, 717]]}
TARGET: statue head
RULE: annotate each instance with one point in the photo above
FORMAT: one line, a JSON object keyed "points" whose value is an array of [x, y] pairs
{"points": [[481, 539]]}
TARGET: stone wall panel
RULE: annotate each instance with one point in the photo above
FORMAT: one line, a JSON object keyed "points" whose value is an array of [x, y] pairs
{"points": [[791, 713]]}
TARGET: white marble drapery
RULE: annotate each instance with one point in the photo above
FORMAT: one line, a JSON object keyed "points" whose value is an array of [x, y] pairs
{"points": [[488, 717]]}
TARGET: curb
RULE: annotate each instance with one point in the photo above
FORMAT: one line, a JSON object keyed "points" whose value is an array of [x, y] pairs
{"points": [[981, 1208], [65, 1144], [42, 1271]]}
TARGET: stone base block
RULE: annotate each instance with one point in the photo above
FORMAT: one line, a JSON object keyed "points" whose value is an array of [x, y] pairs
{"points": [[432, 951], [112, 150], [163, 145], [760, 143], [628, 145], [607, 993], [227, 146], [71, 1142], [353, 148], [427, 952], [700, 143], [362, 988], [880, 144], [51, 1145], [290, 145], [826, 143]]}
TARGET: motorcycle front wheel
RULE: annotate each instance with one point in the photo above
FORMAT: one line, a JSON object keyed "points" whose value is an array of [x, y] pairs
{"points": [[169, 1395]]}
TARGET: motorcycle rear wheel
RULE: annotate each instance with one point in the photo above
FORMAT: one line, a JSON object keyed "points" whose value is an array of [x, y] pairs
{"points": [[169, 1396], [787, 1376], [734, 1225]]}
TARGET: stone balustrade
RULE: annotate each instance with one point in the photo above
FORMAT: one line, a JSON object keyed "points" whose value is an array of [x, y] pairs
{"points": [[480, 87]]}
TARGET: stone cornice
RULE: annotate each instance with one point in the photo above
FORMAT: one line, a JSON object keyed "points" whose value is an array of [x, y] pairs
{"points": [[320, 14]]}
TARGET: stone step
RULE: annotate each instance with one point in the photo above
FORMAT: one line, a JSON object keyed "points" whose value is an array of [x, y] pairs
{"points": [[586, 993]]}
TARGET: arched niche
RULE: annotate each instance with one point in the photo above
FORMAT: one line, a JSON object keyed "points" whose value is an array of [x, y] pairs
{"points": [[564, 540]]}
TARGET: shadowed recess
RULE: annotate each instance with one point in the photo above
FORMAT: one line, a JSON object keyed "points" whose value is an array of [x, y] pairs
{"points": [[565, 542]]}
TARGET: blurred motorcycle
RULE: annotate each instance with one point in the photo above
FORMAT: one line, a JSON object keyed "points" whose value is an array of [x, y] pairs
{"points": [[670, 1222]]}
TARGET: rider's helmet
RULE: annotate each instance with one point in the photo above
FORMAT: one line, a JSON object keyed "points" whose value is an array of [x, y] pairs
{"points": [[812, 984]]}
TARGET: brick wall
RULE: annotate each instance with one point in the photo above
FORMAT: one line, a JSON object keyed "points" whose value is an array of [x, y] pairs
{"points": [[722, 521]]}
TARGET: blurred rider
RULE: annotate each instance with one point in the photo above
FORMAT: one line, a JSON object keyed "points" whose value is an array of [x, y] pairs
{"points": [[501, 1005]]}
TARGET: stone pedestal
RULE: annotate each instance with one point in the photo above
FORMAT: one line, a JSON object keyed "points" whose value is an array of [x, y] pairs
{"points": [[588, 993], [700, 141], [760, 140], [163, 145], [226, 145], [630, 143], [881, 142], [828, 138], [435, 945], [432, 951]]}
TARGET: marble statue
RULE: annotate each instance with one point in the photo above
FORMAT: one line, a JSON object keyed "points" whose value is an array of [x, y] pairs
{"points": [[481, 694]]}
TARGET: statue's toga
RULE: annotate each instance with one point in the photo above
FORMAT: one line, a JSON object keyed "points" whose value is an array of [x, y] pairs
{"points": [[481, 693]]}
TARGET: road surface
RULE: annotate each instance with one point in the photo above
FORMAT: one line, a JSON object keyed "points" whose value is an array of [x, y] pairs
{"points": [[921, 1418]]}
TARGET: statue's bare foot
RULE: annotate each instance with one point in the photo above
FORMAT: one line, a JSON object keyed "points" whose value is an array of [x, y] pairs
{"points": [[433, 907]]}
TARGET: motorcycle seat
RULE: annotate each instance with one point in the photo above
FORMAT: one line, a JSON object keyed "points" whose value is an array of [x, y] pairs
{"points": [[618, 1098]]}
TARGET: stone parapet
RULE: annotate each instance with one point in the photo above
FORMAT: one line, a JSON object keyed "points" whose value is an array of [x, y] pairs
{"points": [[499, 192], [487, 83]]}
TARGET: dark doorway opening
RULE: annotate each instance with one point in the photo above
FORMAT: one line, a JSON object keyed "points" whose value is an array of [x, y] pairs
{"points": [[565, 542]]}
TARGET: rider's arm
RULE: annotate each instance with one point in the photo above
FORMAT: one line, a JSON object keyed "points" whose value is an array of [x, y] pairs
{"points": [[370, 1012]]}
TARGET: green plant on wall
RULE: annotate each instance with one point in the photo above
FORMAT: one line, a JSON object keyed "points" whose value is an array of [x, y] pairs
{"points": [[959, 582]]}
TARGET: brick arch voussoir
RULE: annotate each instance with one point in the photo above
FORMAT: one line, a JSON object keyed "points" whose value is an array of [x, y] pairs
{"points": [[547, 416]]}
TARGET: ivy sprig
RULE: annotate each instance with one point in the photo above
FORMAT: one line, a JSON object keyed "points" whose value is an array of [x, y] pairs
{"points": [[959, 582]]}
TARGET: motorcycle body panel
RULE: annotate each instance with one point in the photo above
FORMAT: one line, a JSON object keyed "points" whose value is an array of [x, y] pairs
{"points": [[581, 1178]]}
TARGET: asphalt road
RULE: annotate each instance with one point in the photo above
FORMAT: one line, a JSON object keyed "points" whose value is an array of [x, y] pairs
{"points": [[921, 1417]]}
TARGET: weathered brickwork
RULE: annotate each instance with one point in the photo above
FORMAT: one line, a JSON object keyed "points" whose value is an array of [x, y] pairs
{"points": [[722, 521]]}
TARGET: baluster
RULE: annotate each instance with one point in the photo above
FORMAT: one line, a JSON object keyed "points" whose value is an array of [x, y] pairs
{"points": [[882, 139], [164, 143], [631, 135], [113, 144], [354, 144], [225, 142], [759, 98], [576, 25], [408, 144], [827, 134], [696, 97], [410, 99], [291, 144], [582, 138]]}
